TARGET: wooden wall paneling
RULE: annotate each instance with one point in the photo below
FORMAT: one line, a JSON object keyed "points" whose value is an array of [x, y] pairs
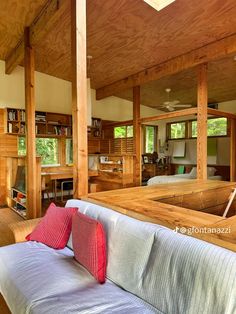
{"points": [[79, 97], [137, 135], [31, 170], [202, 122], [94, 145], [233, 150]]}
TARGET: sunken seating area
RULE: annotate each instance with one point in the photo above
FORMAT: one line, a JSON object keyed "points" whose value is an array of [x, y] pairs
{"points": [[147, 265]]}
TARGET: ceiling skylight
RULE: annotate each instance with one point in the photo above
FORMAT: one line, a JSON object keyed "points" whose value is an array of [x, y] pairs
{"points": [[159, 4]]}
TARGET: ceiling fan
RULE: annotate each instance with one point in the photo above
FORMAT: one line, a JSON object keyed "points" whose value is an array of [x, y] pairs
{"points": [[172, 105]]}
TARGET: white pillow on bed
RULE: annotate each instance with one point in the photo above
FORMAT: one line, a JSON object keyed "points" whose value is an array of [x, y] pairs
{"points": [[193, 173], [210, 172]]}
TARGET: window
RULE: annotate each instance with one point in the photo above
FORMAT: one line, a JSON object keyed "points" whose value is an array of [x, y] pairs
{"points": [[123, 131], [215, 127], [150, 139], [176, 130], [69, 151], [47, 148]]}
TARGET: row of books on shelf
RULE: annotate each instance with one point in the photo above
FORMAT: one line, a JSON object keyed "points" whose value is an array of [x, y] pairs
{"points": [[13, 128], [40, 117], [62, 130], [12, 115]]}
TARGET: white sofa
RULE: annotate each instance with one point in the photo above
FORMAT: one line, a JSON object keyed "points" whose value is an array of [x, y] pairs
{"points": [[151, 269]]}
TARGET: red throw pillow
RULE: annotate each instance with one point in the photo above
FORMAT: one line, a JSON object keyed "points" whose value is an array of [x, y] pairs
{"points": [[89, 244], [55, 227]]}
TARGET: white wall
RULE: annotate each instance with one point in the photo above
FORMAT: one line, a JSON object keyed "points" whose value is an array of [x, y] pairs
{"points": [[53, 94]]}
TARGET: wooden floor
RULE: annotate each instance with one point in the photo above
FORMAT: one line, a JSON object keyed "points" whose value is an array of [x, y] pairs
{"points": [[7, 216], [144, 203]]}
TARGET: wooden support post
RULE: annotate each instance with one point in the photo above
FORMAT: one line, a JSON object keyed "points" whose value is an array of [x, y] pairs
{"points": [[79, 97], [137, 135], [233, 150], [202, 122], [31, 170]]}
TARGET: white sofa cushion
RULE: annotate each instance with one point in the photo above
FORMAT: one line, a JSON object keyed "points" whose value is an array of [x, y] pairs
{"points": [[173, 272], [37, 279]]}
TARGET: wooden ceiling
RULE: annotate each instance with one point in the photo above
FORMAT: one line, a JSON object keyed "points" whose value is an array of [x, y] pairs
{"points": [[125, 37], [221, 86]]}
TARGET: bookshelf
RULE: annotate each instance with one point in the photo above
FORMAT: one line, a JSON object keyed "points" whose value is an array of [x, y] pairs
{"points": [[47, 124]]}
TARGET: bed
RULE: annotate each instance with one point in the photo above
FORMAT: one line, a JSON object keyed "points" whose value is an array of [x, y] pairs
{"points": [[183, 177]]}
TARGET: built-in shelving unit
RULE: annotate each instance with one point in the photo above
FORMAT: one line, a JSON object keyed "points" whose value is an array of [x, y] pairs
{"points": [[18, 202], [17, 197], [47, 124], [95, 130], [115, 171]]}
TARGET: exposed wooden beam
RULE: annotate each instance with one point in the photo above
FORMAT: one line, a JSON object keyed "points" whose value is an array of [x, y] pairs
{"points": [[193, 58], [79, 97], [233, 150], [219, 113], [117, 123], [202, 122], [137, 135], [170, 115], [31, 169], [51, 12]]}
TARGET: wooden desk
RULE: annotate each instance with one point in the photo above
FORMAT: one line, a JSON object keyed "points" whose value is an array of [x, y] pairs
{"points": [[54, 176], [147, 203]]}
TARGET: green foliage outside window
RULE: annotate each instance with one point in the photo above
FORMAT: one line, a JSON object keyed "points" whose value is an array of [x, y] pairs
{"points": [[47, 148], [69, 151], [215, 127], [177, 130], [123, 131], [150, 139]]}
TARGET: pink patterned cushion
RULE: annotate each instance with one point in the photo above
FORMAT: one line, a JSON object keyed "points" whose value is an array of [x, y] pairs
{"points": [[89, 244], [55, 227]]}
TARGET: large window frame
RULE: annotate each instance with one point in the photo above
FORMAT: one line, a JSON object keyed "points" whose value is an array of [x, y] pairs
{"points": [[188, 129], [155, 139], [128, 131], [168, 130], [21, 147]]}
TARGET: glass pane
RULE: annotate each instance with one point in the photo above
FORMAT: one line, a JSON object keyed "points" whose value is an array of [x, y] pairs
{"points": [[129, 131], [194, 128], [120, 131], [47, 148], [150, 139], [177, 130], [69, 151], [21, 146], [217, 127]]}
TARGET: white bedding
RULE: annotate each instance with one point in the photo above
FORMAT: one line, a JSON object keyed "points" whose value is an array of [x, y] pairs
{"points": [[176, 178]]}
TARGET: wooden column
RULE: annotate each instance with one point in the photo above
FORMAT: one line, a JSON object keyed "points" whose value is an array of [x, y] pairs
{"points": [[233, 150], [202, 100], [31, 170], [79, 97], [137, 135]]}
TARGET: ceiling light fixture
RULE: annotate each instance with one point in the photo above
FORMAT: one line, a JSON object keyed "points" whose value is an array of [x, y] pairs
{"points": [[159, 4]]}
